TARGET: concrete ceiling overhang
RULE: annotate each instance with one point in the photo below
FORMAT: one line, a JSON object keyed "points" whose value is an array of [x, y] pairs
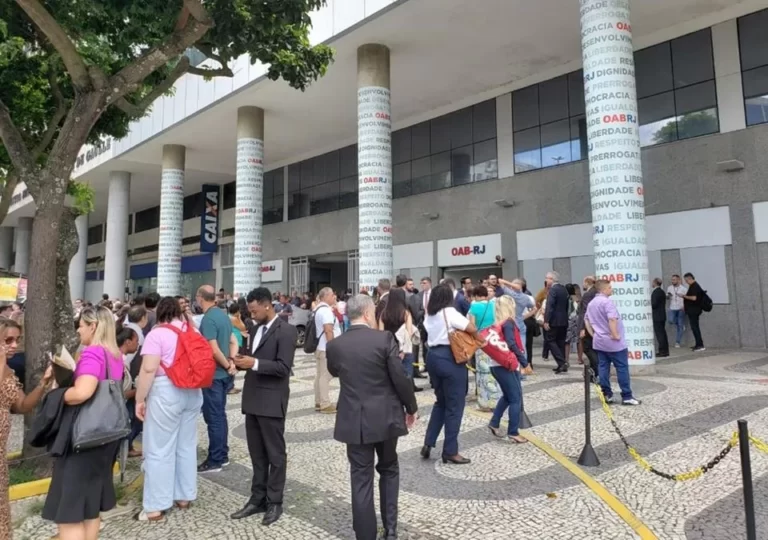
{"points": [[444, 54]]}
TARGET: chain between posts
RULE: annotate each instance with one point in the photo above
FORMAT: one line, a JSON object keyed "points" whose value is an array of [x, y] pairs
{"points": [[680, 477]]}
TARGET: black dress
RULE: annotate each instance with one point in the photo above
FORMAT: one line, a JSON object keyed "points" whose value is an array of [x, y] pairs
{"points": [[82, 485]]}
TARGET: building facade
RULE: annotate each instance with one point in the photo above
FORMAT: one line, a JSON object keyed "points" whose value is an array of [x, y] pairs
{"points": [[489, 147]]}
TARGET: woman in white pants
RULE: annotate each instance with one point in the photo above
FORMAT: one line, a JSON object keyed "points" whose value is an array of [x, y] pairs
{"points": [[170, 421]]}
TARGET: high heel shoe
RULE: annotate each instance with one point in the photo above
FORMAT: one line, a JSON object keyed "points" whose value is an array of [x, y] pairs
{"points": [[425, 450], [456, 460]]}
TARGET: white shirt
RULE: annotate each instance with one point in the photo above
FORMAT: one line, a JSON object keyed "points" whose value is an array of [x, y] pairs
{"points": [[676, 303], [437, 332], [325, 315], [257, 340]]}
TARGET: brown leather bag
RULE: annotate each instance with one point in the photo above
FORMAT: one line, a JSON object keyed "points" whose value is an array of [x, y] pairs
{"points": [[463, 344]]}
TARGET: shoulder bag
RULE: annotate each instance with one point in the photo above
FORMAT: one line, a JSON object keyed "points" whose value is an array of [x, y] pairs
{"points": [[463, 344], [102, 419]]}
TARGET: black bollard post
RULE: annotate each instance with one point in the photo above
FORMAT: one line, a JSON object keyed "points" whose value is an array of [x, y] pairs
{"points": [[746, 478], [588, 457]]}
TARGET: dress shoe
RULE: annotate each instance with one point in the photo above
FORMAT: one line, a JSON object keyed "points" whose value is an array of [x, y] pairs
{"points": [[425, 450], [273, 514], [249, 510], [390, 534], [456, 460]]}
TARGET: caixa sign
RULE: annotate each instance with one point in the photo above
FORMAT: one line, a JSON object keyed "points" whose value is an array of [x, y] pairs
{"points": [[469, 251], [209, 226]]}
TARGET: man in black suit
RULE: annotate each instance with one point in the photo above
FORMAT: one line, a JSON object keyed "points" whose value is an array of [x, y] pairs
{"points": [[659, 311], [556, 320], [417, 305], [265, 404], [371, 416]]}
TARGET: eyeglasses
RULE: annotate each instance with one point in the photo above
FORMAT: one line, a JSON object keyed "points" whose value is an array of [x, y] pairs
{"points": [[10, 340]]}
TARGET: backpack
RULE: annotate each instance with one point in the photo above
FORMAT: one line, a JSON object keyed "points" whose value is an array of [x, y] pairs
{"points": [[706, 302], [193, 365], [311, 339]]}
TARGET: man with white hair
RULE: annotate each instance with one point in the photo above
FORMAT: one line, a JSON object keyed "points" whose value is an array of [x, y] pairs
{"points": [[327, 328], [556, 320], [376, 407]]}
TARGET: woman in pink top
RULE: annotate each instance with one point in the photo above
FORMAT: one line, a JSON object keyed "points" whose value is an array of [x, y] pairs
{"points": [[82, 486], [170, 420]]}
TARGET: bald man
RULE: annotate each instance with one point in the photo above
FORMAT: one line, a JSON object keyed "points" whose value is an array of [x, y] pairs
{"points": [[217, 329]]}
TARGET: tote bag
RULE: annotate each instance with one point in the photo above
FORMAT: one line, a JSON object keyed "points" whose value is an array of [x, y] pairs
{"points": [[463, 344], [102, 419]]}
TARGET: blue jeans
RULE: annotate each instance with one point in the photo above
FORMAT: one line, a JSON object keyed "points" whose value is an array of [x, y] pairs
{"points": [[449, 380], [170, 445], [136, 425], [677, 317], [511, 399], [215, 416], [408, 365], [230, 383], [621, 363]]}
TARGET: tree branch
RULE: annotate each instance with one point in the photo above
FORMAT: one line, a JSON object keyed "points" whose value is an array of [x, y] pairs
{"points": [[11, 181], [14, 143], [138, 110], [58, 116], [60, 40], [174, 45]]}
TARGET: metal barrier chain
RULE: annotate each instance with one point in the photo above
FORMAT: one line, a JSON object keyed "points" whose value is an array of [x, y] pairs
{"points": [[680, 477]]}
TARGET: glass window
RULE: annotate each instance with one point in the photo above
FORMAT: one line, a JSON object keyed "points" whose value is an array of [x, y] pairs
{"points": [[421, 185], [294, 177], [486, 166], [576, 93], [229, 196], [756, 82], [420, 167], [348, 192], [440, 134], [757, 110], [273, 210], [193, 206], [401, 179], [461, 127], [525, 108], [95, 235], [401, 145], [653, 69], [753, 40], [579, 146], [420, 134], [657, 119], [130, 224], [553, 100], [461, 165], [331, 165], [484, 120], [348, 161], [148, 219], [324, 198], [555, 143], [298, 205], [527, 150], [692, 58], [695, 98]]}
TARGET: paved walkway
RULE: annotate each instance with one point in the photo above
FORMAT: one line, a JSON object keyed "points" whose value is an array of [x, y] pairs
{"points": [[689, 411]]}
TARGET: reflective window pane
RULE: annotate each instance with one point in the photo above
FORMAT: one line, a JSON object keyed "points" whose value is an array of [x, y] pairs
{"points": [[579, 146], [440, 134], [324, 198], [94, 235], [461, 127], [753, 40], [555, 143], [348, 192], [697, 123], [228, 198], [756, 82], [420, 134], [653, 69], [576, 93], [695, 98], [757, 110], [553, 100], [692, 58], [440, 162], [331, 165], [420, 185], [420, 167], [278, 177], [486, 166], [401, 176], [527, 150], [401, 145], [269, 185], [193, 206], [525, 108], [440, 180], [657, 119], [348, 161], [484, 120], [461, 165], [294, 177]]}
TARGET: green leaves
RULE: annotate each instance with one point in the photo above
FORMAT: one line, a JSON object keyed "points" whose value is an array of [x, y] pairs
{"points": [[83, 196]]}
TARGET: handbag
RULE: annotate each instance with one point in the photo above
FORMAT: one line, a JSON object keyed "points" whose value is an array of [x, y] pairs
{"points": [[463, 344], [102, 419]]}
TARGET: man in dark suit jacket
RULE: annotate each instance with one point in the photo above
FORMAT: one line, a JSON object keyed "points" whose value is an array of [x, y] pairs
{"points": [[417, 305], [556, 320], [659, 312], [265, 404], [371, 416]]}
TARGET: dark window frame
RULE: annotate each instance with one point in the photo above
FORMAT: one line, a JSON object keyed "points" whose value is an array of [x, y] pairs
{"points": [[752, 69]]}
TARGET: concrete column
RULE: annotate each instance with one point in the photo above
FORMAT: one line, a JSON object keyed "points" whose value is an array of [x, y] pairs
{"points": [[374, 158], [80, 260], [23, 240], [505, 145], [116, 241], [616, 178], [171, 220], [730, 93], [6, 247], [249, 192]]}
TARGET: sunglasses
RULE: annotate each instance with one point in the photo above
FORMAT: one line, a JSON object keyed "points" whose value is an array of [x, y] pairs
{"points": [[11, 340]]}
